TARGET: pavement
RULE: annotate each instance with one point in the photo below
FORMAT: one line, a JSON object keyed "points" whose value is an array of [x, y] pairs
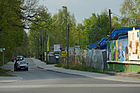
{"points": [[9, 79], [123, 77], [45, 66]]}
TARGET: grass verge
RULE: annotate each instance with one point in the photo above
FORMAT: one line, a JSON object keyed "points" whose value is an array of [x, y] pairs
{"points": [[5, 72], [82, 68]]}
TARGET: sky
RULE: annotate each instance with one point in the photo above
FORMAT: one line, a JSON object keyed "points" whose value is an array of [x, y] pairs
{"points": [[83, 8]]}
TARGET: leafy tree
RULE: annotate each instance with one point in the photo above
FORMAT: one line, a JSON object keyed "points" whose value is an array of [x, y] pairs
{"points": [[97, 27], [11, 36], [81, 36], [59, 25], [115, 22], [40, 27], [15, 17], [131, 13]]}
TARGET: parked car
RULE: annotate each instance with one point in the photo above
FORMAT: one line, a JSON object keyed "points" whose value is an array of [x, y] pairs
{"points": [[21, 65], [57, 55]]}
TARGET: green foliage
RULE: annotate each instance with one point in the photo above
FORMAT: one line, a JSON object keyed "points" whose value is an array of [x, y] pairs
{"points": [[59, 28], [115, 22], [97, 27], [39, 27], [131, 13], [11, 36]]}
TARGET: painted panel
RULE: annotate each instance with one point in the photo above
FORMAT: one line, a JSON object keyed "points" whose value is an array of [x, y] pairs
{"points": [[133, 41], [117, 50]]}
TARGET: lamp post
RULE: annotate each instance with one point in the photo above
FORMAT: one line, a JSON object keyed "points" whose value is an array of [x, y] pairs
{"points": [[2, 50], [44, 54], [67, 37]]}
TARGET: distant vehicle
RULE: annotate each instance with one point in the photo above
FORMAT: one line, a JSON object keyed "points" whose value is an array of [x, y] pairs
{"points": [[57, 55], [21, 65], [19, 58]]}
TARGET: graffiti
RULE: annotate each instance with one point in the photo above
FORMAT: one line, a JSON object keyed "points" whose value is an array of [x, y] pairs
{"points": [[117, 50]]}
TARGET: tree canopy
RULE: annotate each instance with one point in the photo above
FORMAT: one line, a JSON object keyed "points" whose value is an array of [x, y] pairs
{"points": [[131, 13]]}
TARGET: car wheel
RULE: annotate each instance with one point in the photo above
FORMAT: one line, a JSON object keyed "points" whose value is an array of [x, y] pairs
{"points": [[26, 69], [15, 69]]}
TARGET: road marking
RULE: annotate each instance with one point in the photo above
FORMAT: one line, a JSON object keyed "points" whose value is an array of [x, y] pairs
{"points": [[73, 85], [7, 81]]}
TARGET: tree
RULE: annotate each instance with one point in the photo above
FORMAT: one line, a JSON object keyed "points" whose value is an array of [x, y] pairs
{"points": [[11, 36], [115, 22], [40, 27], [58, 35], [131, 13], [97, 27], [15, 17]]}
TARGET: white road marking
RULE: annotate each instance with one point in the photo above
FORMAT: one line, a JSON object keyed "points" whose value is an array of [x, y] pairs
{"points": [[72, 85]]}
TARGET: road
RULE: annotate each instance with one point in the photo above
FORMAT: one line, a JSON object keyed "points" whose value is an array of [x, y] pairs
{"points": [[42, 81]]}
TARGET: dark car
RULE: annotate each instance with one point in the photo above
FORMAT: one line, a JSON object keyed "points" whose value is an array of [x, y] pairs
{"points": [[21, 65], [57, 55]]}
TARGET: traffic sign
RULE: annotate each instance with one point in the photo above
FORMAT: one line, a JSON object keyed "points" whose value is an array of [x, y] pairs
{"points": [[64, 54]]}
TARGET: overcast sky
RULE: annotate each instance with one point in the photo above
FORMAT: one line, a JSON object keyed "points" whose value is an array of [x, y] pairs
{"points": [[83, 8]]}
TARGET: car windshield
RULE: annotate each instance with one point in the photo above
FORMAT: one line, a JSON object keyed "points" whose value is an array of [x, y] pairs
{"points": [[22, 62], [19, 56]]}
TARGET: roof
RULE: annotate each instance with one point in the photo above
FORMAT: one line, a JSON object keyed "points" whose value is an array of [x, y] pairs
{"points": [[124, 30], [123, 37], [92, 45]]}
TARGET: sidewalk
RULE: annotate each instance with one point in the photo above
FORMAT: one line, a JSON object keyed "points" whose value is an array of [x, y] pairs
{"points": [[9, 79], [43, 65], [4, 79]]}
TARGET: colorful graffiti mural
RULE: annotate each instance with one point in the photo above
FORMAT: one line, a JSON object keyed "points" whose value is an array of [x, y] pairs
{"points": [[117, 50]]}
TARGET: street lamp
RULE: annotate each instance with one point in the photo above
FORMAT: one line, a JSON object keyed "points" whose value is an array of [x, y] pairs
{"points": [[2, 50], [44, 54], [67, 37]]}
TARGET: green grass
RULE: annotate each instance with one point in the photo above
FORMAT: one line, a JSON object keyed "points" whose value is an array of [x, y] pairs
{"points": [[5, 72], [82, 68]]}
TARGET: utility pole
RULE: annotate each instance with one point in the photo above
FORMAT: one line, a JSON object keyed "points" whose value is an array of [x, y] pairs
{"points": [[110, 25], [46, 45], [2, 50], [67, 37], [68, 47], [3, 58], [42, 45], [39, 44]]}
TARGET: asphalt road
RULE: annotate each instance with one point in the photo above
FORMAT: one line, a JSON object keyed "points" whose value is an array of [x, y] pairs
{"points": [[42, 81]]}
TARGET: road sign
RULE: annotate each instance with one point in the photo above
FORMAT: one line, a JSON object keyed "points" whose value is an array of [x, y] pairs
{"points": [[64, 54]]}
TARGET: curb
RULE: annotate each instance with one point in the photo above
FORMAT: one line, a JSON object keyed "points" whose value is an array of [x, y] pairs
{"points": [[109, 77], [9, 79]]}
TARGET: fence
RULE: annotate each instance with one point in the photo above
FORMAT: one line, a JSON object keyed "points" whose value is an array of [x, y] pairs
{"points": [[96, 59], [91, 58]]}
